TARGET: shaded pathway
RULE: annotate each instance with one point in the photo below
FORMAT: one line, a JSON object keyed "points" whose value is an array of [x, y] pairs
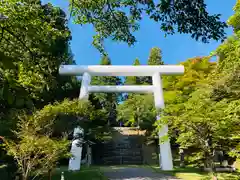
{"points": [[134, 173]]}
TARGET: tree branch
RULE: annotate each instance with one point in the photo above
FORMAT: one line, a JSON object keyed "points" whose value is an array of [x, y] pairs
{"points": [[18, 39], [2, 34]]}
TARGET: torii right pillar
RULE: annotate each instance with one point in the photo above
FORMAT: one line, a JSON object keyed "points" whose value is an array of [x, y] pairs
{"points": [[165, 157]]}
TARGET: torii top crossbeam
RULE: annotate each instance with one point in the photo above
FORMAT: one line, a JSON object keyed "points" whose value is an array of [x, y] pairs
{"points": [[105, 70]]}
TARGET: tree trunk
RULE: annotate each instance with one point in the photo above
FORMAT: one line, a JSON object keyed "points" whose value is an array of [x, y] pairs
{"points": [[156, 142], [24, 177], [210, 164], [50, 174], [213, 168], [17, 177], [89, 156]]}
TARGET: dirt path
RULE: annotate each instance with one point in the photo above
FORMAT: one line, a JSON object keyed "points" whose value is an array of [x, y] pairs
{"points": [[134, 173]]}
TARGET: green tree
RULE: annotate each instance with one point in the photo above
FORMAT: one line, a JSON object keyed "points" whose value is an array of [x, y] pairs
{"points": [[105, 61], [133, 80], [225, 86], [226, 80], [119, 19], [206, 126], [136, 62], [35, 155], [138, 110], [155, 57], [35, 41], [107, 101], [206, 116], [178, 90], [35, 148]]}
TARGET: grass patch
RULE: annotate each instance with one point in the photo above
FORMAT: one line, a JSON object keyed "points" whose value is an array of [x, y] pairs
{"points": [[92, 173]]}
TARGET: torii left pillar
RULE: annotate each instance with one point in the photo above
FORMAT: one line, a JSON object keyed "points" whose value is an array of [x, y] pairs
{"points": [[76, 149]]}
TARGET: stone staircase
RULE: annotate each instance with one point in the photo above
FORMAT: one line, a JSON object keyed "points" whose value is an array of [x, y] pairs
{"points": [[123, 149]]}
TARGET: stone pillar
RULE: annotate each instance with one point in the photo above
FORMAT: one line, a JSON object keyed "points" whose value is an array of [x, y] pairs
{"points": [[76, 150], [165, 156]]}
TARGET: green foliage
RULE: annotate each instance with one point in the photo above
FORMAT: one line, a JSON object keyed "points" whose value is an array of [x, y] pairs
{"points": [[35, 38], [66, 107], [178, 88], [138, 110], [34, 42], [106, 101], [203, 105], [35, 155], [31, 31], [133, 80], [184, 111], [119, 19], [36, 147], [226, 85], [105, 60], [155, 57], [234, 20], [205, 125], [136, 62], [228, 52]]}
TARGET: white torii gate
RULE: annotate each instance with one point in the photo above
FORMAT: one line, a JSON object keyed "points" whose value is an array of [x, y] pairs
{"points": [[143, 70]]}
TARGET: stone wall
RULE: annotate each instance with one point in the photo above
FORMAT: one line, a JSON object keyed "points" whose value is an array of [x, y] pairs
{"points": [[127, 147]]}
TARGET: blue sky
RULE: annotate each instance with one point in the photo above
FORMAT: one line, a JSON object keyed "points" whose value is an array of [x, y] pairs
{"points": [[175, 48]]}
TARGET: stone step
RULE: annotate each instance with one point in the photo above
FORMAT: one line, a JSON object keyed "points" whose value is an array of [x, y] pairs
{"points": [[122, 157], [124, 150], [132, 162], [126, 146], [122, 147], [119, 162], [130, 153], [122, 161]]}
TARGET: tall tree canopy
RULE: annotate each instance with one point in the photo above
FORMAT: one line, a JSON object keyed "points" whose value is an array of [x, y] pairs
{"points": [[133, 80], [119, 19], [207, 118], [155, 57], [138, 111], [34, 42], [107, 101]]}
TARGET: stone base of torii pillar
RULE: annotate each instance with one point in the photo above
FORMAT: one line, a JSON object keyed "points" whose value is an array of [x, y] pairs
{"points": [[154, 71]]}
